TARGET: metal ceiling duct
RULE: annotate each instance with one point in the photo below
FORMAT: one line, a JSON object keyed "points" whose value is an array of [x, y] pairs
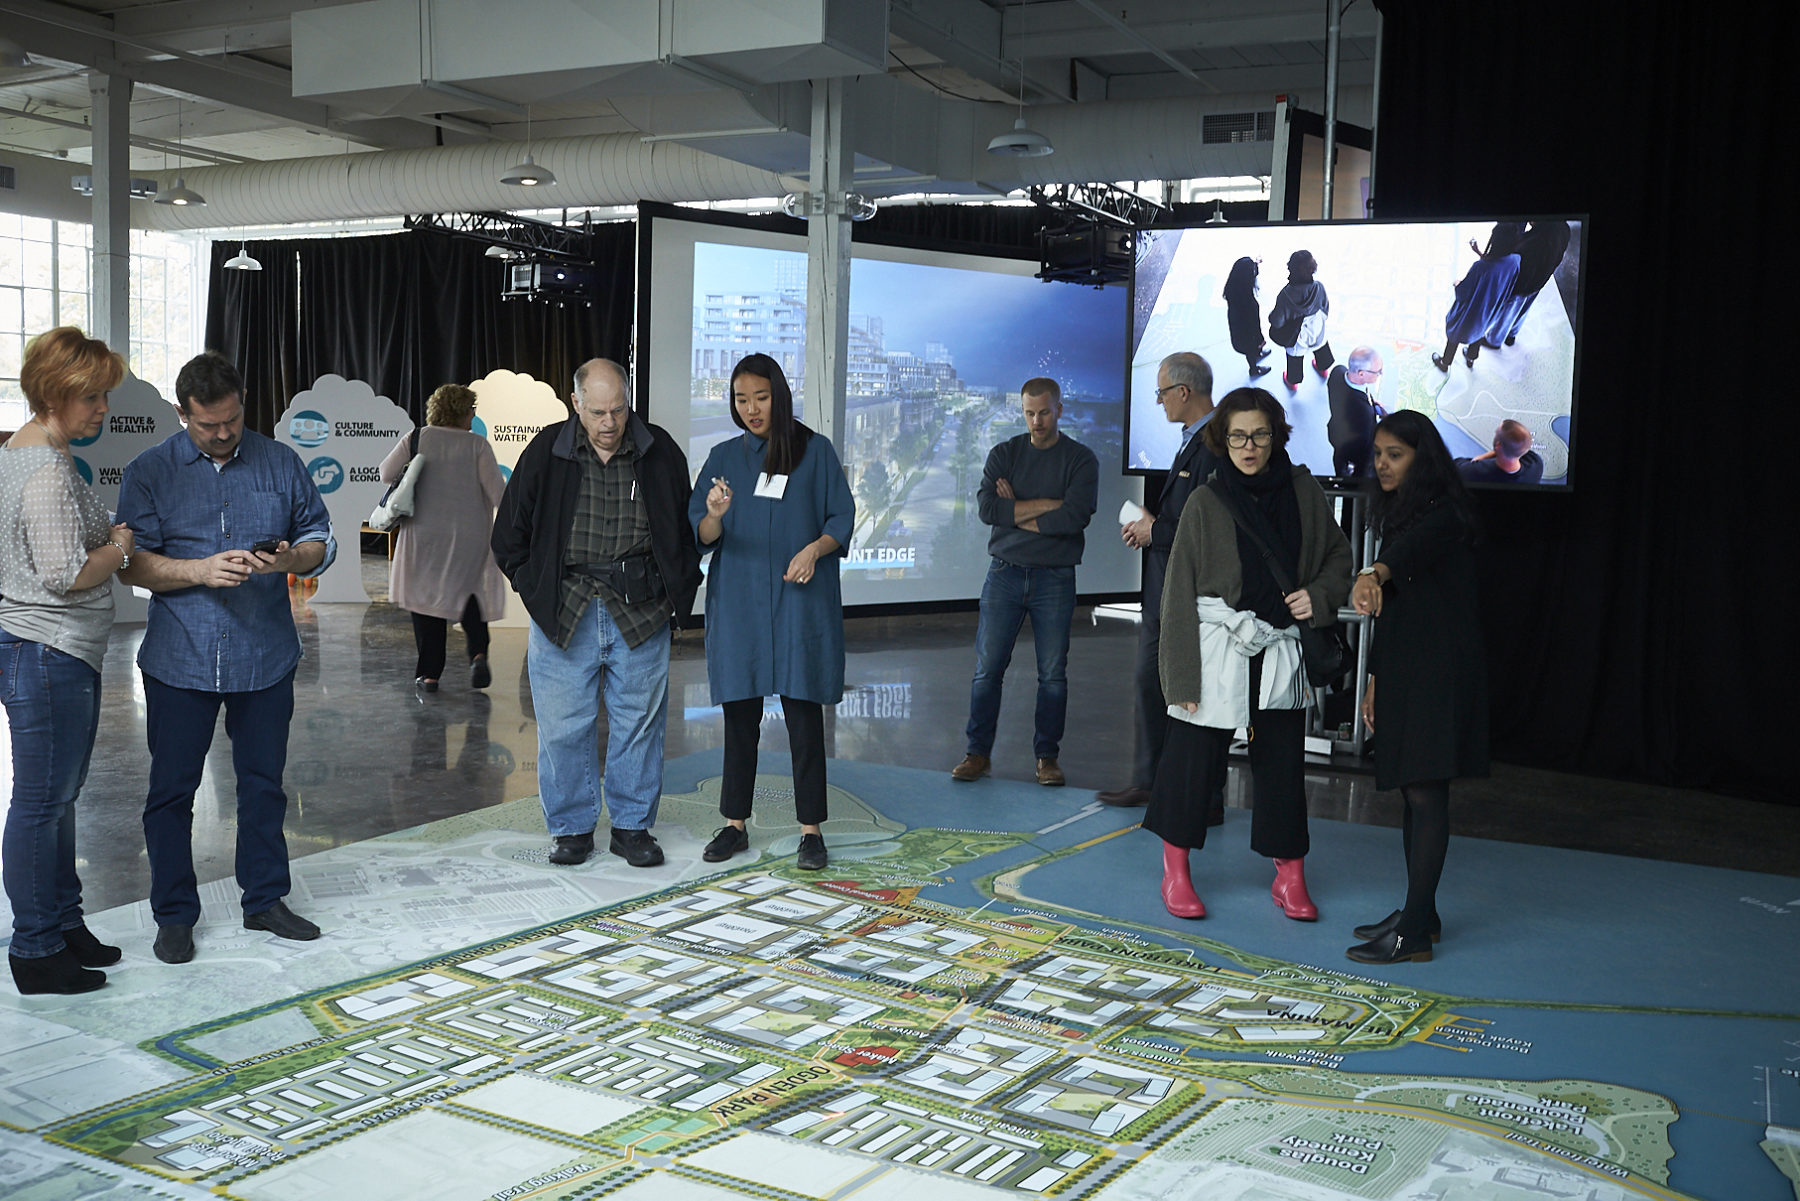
{"points": [[593, 171]]}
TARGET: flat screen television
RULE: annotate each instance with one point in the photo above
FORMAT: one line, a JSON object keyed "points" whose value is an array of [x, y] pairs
{"points": [[1504, 294], [939, 344]]}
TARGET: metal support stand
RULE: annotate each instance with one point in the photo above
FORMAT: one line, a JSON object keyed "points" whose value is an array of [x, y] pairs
{"points": [[1334, 36], [828, 261], [1354, 504]]}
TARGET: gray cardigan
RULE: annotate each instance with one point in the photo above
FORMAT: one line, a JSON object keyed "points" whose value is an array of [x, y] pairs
{"points": [[1204, 562]]}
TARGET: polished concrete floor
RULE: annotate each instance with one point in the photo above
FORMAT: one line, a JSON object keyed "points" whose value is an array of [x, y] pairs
{"points": [[369, 755]]}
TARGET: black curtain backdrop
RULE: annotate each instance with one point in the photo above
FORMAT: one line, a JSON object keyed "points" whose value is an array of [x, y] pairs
{"points": [[1634, 627], [404, 313], [251, 318]]}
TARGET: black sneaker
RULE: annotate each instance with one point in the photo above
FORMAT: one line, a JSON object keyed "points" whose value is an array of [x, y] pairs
{"points": [[812, 855], [570, 849], [726, 843], [480, 675], [636, 847]]}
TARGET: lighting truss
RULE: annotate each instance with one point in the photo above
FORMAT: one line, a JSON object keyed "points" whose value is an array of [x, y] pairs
{"points": [[537, 241], [1100, 202]]}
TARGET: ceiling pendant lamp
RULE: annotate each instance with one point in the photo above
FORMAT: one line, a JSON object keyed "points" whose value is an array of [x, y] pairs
{"points": [[180, 195], [241, 261], [1020, 141], [528, 174]]}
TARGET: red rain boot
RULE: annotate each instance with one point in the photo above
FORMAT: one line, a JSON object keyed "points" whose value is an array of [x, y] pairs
{"points": [[1177, 886], [1290, 890]]}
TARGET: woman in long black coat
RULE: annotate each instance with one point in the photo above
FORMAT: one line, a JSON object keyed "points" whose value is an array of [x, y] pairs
{"points": [[1430, 714], [1244, 317]]}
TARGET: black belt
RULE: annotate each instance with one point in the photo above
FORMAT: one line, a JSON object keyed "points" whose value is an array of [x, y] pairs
{"points": [[634, 578]]}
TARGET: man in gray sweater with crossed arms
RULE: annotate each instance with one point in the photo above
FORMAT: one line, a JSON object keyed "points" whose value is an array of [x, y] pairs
{"points": [[1038, 493]]}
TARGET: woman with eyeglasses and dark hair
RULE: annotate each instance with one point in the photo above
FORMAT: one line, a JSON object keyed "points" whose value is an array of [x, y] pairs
{"points": [[1230, 654], [1430, 714], [774, 510], [58, 553]]}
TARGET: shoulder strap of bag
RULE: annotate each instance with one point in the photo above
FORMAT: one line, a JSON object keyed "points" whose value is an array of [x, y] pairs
{"points": [[1282, 581], [412, 443]]}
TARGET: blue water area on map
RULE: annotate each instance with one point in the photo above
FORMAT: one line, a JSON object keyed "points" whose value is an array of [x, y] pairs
{"points": [[1535, 925]]}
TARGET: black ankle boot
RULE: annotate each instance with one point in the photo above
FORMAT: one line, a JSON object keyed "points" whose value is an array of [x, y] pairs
{"points": [[1392, 947], [58, 973], [1387, 925], [90, 950]]}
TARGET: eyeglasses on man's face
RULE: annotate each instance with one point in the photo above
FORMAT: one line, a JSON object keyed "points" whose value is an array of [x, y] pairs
{"points": [[1237, 440], [1167, 388]]}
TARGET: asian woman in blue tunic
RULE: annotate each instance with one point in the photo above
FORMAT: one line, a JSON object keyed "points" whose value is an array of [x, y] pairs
{"points": [[774, 510]]}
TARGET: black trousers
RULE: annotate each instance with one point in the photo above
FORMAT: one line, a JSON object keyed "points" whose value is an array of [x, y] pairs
{"points": [[1152, 709], [1153, 720], [1296, 369], [1195, 760], [431, 633], [806, 746]]}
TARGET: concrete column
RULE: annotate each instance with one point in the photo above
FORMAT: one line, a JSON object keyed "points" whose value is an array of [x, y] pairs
{"points": [[828, 262], [109, 311]]}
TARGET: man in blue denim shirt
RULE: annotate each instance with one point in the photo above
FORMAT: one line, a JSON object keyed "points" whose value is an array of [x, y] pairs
{"points": [[1037, 491], [220, 632]]}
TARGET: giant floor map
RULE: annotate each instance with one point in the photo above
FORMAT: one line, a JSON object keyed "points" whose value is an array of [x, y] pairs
{"points": [[919, 1020]]}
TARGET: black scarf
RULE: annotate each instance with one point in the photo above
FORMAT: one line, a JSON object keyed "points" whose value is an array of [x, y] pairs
{"points": [[1267, 501]]}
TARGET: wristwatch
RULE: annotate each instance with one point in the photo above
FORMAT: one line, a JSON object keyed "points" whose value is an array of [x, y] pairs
{"points": [[1370, 570]]}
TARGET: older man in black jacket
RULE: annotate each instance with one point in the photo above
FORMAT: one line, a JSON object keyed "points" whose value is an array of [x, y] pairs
{"points": [[1184, 389], [593, 533]]}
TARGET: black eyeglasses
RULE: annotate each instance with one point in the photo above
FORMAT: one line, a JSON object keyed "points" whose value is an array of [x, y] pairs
{"points": [[1239, 440], [1158, 393]]}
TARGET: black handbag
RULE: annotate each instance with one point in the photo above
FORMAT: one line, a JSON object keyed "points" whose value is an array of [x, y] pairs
{"points": [[1325, 650], [1287, 333]]}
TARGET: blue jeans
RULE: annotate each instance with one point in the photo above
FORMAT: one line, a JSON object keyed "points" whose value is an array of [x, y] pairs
{"points": [[1048, 595], [53, 704], [178, 724], [567, 688]]}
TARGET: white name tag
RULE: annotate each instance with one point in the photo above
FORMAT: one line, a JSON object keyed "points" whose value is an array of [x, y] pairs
{"points": [[771, 486]]}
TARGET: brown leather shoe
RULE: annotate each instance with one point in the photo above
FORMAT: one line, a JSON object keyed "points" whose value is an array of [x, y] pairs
{"points": [[1124, 798], [972, 767], [1049, 774]]}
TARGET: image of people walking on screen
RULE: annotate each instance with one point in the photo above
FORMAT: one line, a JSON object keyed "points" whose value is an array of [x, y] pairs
{"points": [[1297, 322], [1512, 461], [1352, 387], [1541, 251], [1244, 316], [1480, 313]]}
